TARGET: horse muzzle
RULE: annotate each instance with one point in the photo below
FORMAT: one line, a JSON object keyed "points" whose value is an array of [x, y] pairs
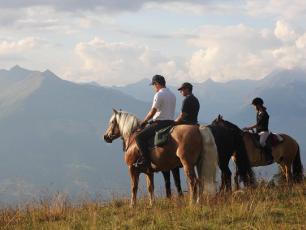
{"points": [[108, 139]]}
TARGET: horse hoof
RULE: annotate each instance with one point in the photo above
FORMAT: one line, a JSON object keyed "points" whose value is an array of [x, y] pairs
{"points": [[132, 205]]}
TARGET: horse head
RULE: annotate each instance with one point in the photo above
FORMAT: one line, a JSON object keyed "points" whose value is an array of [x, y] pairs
{"points": [[113, 131], [218, 121]]}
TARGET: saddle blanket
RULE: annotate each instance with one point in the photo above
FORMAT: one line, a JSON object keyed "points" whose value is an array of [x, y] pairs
{"points": [[162, 136]]}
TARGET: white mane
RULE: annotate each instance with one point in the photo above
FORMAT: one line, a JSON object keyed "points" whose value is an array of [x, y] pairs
{"points": [[127, 122]]}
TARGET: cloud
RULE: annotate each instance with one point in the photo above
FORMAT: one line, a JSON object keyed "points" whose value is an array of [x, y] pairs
{"points": [[8, 47], [280, 9], [232, 52], [284, 32], [105, 5], [112, 63], [45, 19], [221, 53], [195, 7]]}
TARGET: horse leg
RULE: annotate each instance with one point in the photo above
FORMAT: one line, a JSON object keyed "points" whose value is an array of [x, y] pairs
{"points": [[134, 174], [236, 178], [288, 173], [191, 175], [201, 185], [177, 180], [150, 186], [166, 175], [226, 176], [222, 187]]}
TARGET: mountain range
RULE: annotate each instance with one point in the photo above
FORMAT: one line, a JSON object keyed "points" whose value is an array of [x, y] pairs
{"points": [[50, 129]]}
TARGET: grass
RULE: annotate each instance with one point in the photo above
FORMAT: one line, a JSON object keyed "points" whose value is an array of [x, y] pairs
{"points": [[266, 208]]}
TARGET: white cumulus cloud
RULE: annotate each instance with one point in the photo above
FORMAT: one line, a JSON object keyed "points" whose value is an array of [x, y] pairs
{"points": [[284, 32], [113, 63], [226, 53], [17, 46]]}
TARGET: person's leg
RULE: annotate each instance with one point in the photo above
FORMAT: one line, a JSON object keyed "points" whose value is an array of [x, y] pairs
{"points": [[142, 141], [263, 137], [266, 146]]}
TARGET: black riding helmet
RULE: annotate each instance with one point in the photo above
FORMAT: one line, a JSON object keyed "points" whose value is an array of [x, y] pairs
{"points": [[257, 101]]}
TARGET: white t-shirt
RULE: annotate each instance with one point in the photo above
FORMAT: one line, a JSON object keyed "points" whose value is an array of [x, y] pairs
{"points": [[164, 101]]}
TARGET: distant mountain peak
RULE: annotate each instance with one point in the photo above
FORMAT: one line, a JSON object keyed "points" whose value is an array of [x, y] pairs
{"points": [[49, 74], [285, 76], [18, 69], [209, 81]]}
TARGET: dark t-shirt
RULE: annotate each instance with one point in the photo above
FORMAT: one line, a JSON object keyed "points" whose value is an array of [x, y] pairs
{"points": [[262, 121], [191, 107]]}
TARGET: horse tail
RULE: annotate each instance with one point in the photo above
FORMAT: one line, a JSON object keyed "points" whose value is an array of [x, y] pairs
{"points": [[243, 164], [297, 167], [208, 161]]}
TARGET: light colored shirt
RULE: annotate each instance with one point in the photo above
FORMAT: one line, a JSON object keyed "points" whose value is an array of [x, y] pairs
{"points": [[164, 102]]}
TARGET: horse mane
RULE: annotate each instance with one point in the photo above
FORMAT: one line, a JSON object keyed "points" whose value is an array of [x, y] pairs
{"points": [[232, 126], [127, 122]]}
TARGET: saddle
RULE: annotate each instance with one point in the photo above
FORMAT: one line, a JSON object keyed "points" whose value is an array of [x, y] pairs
{"points": [[161, 136], [273, 139]]}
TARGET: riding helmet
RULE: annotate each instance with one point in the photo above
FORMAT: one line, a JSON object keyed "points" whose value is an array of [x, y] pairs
{"points": [[257, 101]]}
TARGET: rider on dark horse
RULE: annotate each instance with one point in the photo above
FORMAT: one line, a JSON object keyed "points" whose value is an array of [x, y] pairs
{"points": [[262, 125], [190, 106], [162, 115]]}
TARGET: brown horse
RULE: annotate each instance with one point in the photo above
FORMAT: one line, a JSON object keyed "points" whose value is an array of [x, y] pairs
{"points": [[286, 154], [188, 146]]}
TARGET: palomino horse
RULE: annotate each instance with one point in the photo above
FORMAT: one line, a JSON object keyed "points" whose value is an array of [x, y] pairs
{"points": [[286, 154], [188, 146]]}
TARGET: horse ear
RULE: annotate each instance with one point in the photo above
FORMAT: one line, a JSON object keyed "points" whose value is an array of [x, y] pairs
{"points": [[115, 111], [219, 117]]}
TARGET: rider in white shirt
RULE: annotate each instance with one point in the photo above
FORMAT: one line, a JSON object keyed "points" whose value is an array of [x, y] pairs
{"points": [[162, 115]]}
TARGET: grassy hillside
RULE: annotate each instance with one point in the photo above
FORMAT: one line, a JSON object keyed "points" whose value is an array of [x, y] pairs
{"points": [[262, 208]]}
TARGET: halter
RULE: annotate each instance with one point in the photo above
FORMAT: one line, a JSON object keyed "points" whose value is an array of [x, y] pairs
{"points": [[112, 130]]}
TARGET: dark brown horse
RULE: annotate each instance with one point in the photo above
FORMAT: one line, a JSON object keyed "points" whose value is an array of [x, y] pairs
{"points": [[286, 154], [229, 142], [188, 146]]}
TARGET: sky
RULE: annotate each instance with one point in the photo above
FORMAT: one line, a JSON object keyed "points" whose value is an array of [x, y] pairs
{"points": [[118, 42]]}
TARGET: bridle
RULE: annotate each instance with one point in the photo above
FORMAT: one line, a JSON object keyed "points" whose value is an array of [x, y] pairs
{"points": [[112, 136]]}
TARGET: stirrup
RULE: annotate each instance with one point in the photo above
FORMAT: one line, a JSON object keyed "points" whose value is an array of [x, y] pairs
{"points": [[140, 162]]}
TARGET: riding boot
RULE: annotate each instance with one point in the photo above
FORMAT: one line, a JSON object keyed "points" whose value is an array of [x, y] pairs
{"points": [[142, 163], [268, 153]]}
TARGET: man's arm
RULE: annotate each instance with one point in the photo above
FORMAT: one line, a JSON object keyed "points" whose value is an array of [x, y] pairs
{"points": [[180, 118], [149, 116], [250, 127]]}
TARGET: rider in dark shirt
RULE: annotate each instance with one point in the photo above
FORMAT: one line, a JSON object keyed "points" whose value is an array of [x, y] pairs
{"points": [[190, 106], [262, 124]]}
